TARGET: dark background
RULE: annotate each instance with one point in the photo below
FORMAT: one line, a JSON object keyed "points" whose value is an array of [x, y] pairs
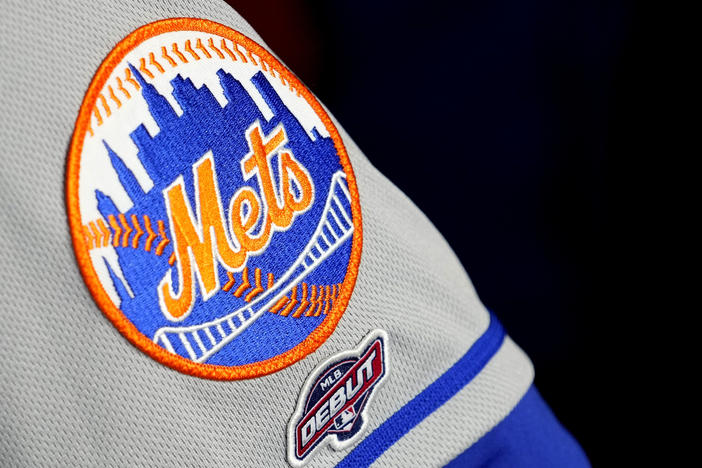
{"points": [[537, 110]]}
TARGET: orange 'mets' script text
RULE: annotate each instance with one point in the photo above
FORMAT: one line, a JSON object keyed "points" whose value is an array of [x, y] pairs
{"points": [[200, 246]]}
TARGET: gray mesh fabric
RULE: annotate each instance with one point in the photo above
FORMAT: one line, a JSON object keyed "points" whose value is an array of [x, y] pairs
{"points": [[74, 392]]}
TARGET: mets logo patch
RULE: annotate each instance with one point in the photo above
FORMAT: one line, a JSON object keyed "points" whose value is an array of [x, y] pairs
{"points": [[212, 205], [334, 398]]}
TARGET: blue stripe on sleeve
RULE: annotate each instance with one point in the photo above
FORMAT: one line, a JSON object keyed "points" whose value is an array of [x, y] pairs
{"points": [[429, 400], [529, 436]]}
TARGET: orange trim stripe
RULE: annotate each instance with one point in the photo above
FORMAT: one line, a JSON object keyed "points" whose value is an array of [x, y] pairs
{"points": [[143, 69], [189, 49], [162, 232], [229, 283], [152, 234], [198, 45], [128, 77], [105, 232], [253, 60], [164, 54], [108, 112], [258, 289], [210, 43], [87, 236], [303, 302], [279, 305], [113, 97], [238, 51], [152, 61], [291, 304], [121, 87], [229, 52], [271, 281], [245, 283], [178, 54], [117, 230], [127, 229], [139, 231]]}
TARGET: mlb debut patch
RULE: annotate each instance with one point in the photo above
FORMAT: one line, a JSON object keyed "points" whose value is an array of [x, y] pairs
{"points": [[212, 205], [334, 399]]}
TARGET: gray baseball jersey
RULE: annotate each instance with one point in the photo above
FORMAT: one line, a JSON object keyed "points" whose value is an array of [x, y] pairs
{"points": [[201, 268]]}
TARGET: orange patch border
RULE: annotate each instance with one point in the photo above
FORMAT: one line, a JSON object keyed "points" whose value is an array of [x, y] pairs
{"points": [[80, 245]]}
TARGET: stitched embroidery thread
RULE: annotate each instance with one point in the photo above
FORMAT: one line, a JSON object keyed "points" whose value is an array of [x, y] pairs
{"points": [[333, 401], [213, 208]]}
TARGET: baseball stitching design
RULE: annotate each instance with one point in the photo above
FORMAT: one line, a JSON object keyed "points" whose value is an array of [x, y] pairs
{"points": [[187, 109], [313, 301], [231, 48]]}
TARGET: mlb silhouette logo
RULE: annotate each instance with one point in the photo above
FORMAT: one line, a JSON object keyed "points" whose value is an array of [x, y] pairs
{"points": [[344, 421]]}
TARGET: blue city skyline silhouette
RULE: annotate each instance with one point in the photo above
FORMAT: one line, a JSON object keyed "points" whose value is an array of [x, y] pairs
{"points": [[181, 141]]}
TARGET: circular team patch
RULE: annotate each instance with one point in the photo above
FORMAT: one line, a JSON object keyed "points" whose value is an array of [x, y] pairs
{"points": [[213, 208]]}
